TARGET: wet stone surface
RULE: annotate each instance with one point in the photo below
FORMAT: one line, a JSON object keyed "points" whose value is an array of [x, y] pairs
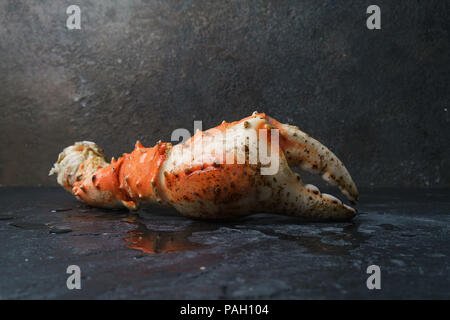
{"points": [[158, 254]]}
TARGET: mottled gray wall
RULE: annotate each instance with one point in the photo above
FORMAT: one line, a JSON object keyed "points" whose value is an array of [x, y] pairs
{"points": [[139, 69]]}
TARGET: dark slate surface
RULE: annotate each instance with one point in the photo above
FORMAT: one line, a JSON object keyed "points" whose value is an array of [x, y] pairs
{"points": [[158, 254], [139, 69]]}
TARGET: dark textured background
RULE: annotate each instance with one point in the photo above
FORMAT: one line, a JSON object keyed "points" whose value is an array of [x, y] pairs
{"points": [[140, 69]]}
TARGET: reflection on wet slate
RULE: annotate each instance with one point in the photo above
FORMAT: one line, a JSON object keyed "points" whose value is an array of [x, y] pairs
{"points": [[156, 253], [336, 242], [60, 210], [28, 225], [59, 230], [154, 242]]}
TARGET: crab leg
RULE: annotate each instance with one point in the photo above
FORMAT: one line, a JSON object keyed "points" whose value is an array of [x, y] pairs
{"points": [[210, 188], [132, 179]]}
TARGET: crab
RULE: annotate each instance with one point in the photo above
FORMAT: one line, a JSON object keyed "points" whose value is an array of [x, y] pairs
{"points": [[208, 187]]}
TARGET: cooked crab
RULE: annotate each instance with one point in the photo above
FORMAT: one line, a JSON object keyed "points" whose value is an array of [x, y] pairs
{"points": [[223, 182]]}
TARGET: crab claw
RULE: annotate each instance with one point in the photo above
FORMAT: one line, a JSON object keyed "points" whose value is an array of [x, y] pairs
{"points": [[306, 153], [233, 189], [209, 187], [294, 198]]}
